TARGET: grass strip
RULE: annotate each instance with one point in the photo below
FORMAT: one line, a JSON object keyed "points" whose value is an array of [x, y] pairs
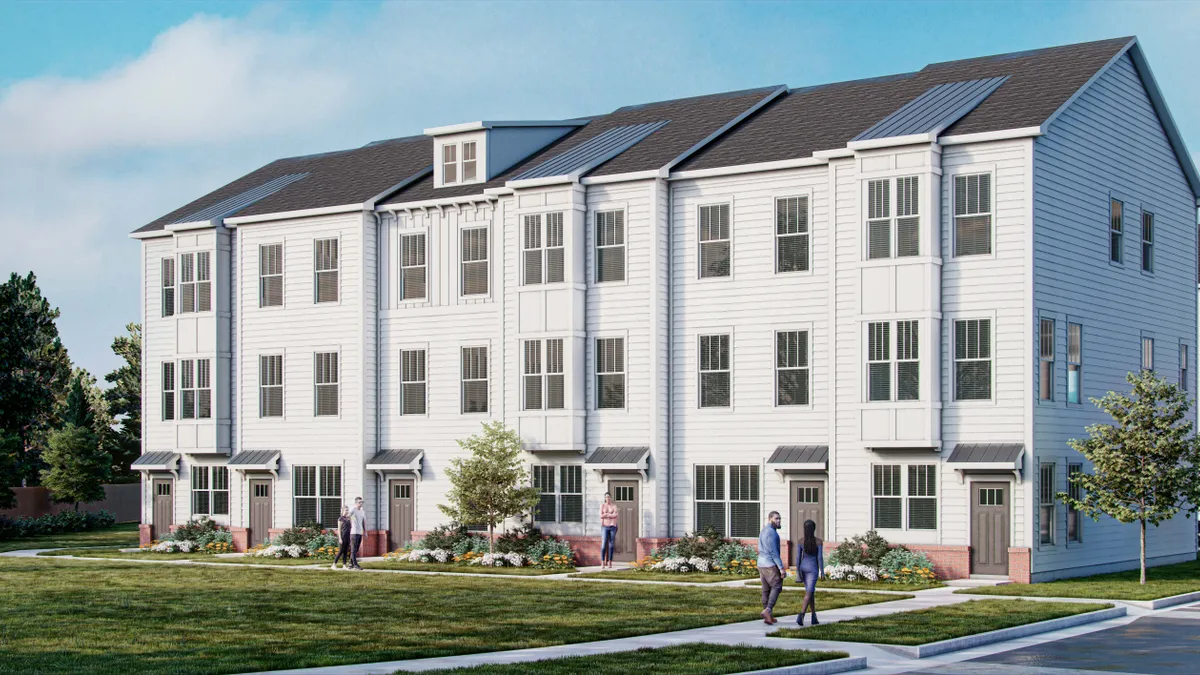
{"points": [[123, 535], [639, 575], [935, 624], [460, 568], [859, 585], [1161, 582]]}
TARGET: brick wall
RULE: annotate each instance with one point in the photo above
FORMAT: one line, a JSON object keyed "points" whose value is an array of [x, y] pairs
{"points": [[1018, 564]]}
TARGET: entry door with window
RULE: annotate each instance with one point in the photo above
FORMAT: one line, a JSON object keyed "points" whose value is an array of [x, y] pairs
{"points": [[625, 496], [260, 510], [400, 512], [989, 528], [808, 503], [164, 507]]}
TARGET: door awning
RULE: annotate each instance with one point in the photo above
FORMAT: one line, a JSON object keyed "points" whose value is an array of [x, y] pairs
{"points": [[620, 459], [397, 461], [799, 458], [988, 457], [163, 460], [256, 460], [904, 448]]}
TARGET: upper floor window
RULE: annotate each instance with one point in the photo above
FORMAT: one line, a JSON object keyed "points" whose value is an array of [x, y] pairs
{"points": [[610, 246], [542, 249], [1115, 230], [1046, 360], [792, 237], [475, 261], [791, 368], [973, 360], [326, 270], [1147, 353], [195, 282], [449, 164], [469, 161], [1183, 367], [714, 241], [1074, 362], [168, 391], [270, 385], [270, 275], [412, 382], [413, 271], [715, 372], [195, 389], [474, 379], [326, 383], [544, 385], [893, 233], [905, 377], [1147, 242], [168, 286], [210, 490], [973, 214], [610, 373]]}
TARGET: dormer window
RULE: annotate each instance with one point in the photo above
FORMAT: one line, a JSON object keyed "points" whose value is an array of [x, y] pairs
{"points": [[450, 163], [468, 161]]}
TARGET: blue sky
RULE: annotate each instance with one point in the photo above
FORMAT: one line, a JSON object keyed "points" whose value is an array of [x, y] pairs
{"points": [[113, 113]]}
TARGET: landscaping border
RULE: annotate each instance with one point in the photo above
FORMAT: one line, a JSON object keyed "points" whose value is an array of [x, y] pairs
{"points": [[1157, 603], [842, 665]]}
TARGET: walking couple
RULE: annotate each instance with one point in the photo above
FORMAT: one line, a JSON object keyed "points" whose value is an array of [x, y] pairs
{"points": [[810, 564], [352, 524]]}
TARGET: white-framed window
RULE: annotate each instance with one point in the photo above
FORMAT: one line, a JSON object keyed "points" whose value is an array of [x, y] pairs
{"points": [[195, 389], [325, 270], [1046, 360], [316, 495], [715, 251], [908, 217], [561, 500], [879, 219], [543, 374], [908, 361], [1074, 526], [270, 275], [793, 240], [1147, 353], [715, 371], [1147, 241], [1116, 234], [973, 214], [195, 282], [168, 390], [556, 386], [888, 504], [475, 261], [610, 245], [1184, 358], [1046, 503], [922, 497], [879, 361], [729, 499], [210, 490], [903, 380], [893, 232], [270, 385], [469, 161], [610, 373], [791, 368], [972, 359], [449, 164], [543, 256], [904, 497], [413, 269], [167, 274], [412, 382], [326, 384], [533, 375], [1074, 363], [474, 380]]}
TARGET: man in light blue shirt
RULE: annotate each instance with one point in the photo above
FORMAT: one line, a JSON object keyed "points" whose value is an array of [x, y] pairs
{"points": [[771, 569]]}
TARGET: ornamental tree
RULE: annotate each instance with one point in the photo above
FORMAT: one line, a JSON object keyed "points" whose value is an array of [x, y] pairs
{"points": [[492, 484], [76, 464], [1143, 465]]}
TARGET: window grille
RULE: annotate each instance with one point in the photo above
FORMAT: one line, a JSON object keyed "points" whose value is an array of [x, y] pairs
{"points": [[792, 236], [714, 241], [973, 214], [715, 372]]}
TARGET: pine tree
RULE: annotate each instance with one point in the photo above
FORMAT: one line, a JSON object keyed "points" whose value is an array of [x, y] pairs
{"points": [[124, 399], [1143, 465], [76, 465]]}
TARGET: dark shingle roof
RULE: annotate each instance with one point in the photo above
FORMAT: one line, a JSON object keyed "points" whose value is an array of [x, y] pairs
{"points": [[333, 179], [800, 454], [986, 452], [827, 117], [618, 455]]}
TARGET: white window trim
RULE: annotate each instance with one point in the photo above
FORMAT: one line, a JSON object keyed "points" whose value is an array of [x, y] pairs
{"points": [[400, 267], [174, 390], [1054, 532], [593, 361], [893, 360], [421, 347], [282, 275], [904, 497], [340, 382], [282, 387], [948, 322], [211, 470], [948, 206], [463, 298], [786, 328], [195, 282], [173, 286], [729, 332], [726, 201], [1153, 352], [340, 269], [195, 377], [594, 243], [727, 499], [341, 496], [1147, 211], [544, 247], [802, 194], [1080, 363], [481, 161], [462, 382], [558, 523], [1054, 361], [893, 180]]}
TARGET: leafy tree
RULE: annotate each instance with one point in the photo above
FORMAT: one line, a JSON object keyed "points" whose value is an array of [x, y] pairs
{"points": [[34, 371], [1143, 465], [76, 464], [492, 483], [124, 400]]}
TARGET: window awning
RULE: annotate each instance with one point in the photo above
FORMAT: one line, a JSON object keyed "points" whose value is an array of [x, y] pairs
{"points": [[620, 459], [394, 461], [988, 457], [797, 458], [256, 460], [163, 460]]}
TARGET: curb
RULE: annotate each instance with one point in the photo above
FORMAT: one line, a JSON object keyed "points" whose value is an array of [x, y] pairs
{"points": [[843, 665], [1160, 603], [1002, 635]]}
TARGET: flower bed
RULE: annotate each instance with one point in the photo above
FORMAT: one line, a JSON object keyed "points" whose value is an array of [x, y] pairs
{"points": [[869, 557], [201, 535], [277, 551], [706, 552], [304, 541], [525, 547]]}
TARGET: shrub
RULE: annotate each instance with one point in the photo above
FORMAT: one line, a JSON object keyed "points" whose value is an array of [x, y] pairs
{"points": [[8, 528], [297, 535], [201, 531], [519, 540], [903, 566], [551, 553], [471, 544], [323, 540], [735, 558], [443, 537], [67, 521], [702, 544], [864, 549]]}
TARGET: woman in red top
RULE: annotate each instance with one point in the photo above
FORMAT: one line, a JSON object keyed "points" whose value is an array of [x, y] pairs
{"points": [[608, 528]]}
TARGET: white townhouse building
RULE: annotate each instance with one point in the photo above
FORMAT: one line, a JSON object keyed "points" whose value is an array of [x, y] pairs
{"points": [[880, 304]]}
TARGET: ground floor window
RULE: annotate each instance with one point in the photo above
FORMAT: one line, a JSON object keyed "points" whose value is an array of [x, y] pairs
{"points": [[904, 499], [561, 489], [1046, 503], [316, 495], [729, 499], [210, 490]]}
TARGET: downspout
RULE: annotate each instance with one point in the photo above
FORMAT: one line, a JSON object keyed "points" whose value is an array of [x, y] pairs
{"points": [[375, 365], [670, 363]]}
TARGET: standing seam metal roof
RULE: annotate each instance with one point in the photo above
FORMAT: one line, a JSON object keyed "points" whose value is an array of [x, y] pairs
{"points": [[986, 452], [155, 458], [254, 457], [800, 454], [602, 147], [939, 107], [618, 455], [396, 457]]}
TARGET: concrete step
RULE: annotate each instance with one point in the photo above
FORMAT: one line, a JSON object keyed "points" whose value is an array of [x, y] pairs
{"points": [[977, 580]]}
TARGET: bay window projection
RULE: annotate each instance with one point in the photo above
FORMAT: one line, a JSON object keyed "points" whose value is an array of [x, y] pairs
{"points": [[973, 214], [893, 233], [543, 374], [316, 495], [879, 222], [542, 246], [908, 361], [195, 282], [195, 389], [879, 363]]}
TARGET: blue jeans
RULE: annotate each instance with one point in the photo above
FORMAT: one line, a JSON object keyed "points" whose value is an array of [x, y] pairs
{"points": [[607, 541]]}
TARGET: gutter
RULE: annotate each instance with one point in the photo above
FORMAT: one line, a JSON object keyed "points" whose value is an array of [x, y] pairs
{"points": [[670, 362]]}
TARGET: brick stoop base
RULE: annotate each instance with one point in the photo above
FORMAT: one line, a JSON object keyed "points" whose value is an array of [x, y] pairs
{"points": [[145, 534], [949, 562], [1018, 565], [241, 538], [374, 543]]}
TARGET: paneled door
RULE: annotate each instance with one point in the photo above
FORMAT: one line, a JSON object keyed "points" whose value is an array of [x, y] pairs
{"points": [[625, 496], [989, 528], [400, 513], [260, 510], [807, 503], [164, 507]]}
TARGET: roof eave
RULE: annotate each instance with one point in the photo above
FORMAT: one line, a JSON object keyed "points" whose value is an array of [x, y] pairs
{"points": [[1164, 115], [483, 125], [287, 215]]}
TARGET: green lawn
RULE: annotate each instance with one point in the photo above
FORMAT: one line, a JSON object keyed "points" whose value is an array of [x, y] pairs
{"points": [[463, 569], [118, 554], [923, 626], [124, 534], [126, 617], [860, 585], [689, 659], [690, 577], [1161, 582]]}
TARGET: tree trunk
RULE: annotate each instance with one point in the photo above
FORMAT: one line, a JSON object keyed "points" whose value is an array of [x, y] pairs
{"points": [[492, 544], [1143, 524]]}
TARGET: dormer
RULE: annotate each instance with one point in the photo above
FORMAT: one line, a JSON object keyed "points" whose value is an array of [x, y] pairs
{"points": [[476, 152]]}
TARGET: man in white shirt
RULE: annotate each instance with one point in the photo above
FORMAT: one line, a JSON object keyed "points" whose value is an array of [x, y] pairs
{"points": [[358, 527]]}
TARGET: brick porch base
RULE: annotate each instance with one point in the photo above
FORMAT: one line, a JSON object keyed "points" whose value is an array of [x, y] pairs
{"points": [[145, 534], [1018, 565]]}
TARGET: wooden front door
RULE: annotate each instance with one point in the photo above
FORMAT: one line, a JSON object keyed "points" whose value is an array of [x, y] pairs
{"points": [[807, 503], [625, 496], [164, 507], [989, 528], [260, 510], [400, 513]]}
